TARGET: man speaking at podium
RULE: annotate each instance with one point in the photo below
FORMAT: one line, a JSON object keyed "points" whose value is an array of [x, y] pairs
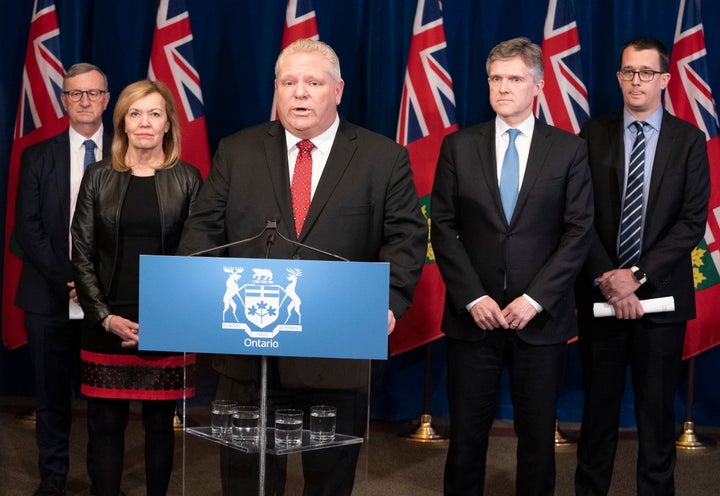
{"points": [[329, 185]]}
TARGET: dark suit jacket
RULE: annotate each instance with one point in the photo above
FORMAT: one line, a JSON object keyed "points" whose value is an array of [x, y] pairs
{"points": [[540, 251], [42, 220], [365, 207], [675, 217]]}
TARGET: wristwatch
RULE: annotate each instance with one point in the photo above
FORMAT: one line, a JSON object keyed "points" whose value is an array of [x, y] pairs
{"points": [[638, 274]]}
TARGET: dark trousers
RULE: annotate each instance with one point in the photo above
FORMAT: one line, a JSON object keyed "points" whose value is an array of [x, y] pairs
{"points": [[474, 373], [107, 421], [54, 345], [653, 352], [326, 472]]}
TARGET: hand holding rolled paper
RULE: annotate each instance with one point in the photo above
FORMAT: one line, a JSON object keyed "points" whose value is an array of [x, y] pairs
{"points": [[652, 305]]}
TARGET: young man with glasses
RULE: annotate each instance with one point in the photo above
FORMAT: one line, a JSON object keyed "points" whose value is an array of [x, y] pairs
{"points": [[651, 182], [49, 179]]}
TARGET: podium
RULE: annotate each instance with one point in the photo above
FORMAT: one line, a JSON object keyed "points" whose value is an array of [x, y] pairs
{"points": [[281, 332]]}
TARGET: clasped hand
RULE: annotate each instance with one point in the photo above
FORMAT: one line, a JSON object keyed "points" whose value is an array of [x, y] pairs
{"points": [[488, 315], [618, 287]]}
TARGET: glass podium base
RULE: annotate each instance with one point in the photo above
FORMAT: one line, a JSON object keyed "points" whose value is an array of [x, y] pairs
{"points": [[252, 447]]}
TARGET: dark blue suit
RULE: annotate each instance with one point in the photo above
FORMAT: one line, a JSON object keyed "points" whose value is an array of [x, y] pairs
{"points": [[42, 219], [365, 208], [479, 253], [652, 346]]}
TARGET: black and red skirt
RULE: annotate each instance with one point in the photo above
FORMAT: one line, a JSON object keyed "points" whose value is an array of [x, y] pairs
{"points": [[143, 376]]}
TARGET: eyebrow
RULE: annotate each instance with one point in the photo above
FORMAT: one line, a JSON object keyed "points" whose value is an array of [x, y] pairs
{"points": [[642, 68], [140, 110]]}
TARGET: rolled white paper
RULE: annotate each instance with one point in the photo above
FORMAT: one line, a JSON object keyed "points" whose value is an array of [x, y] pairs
{"points": [[75, 311], [653, 305]]}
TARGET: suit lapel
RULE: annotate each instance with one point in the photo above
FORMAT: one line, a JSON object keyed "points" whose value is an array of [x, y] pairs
{"points": [[616, 139], [277, 166], [665, 145], [539, 147], [341, 154], [488, 163], [61, 171]]}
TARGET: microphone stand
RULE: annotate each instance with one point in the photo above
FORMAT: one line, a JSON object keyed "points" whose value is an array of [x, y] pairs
{"points": [[270, 225]]}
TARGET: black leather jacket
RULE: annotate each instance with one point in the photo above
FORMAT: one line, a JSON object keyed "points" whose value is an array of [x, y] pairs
{"points": [[95, 226]]}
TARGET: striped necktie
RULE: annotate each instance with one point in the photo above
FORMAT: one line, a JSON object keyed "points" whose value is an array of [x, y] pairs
{"points": [[631, 220]]}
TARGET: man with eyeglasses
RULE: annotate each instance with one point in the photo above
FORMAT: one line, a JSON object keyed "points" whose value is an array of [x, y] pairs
{"points": [[651, 182], [49, 179], [511, 225]]}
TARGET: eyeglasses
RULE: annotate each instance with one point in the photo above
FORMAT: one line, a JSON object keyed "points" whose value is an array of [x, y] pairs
{"points": [[645, 75], [76, 95]]}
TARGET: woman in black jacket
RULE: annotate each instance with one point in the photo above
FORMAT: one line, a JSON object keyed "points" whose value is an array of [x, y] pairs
{"points": [[130, 204]]}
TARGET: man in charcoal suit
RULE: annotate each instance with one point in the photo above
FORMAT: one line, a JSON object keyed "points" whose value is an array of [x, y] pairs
{"points": [[511, 222], [48, 183], [361, 205], [641, 249]]}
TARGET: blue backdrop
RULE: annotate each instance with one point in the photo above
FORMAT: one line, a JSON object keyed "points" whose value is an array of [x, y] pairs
{"points": [[236, 43]]}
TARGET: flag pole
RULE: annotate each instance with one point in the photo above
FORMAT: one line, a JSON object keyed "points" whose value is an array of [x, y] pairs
{"points": [[425, 432], [689, 440]]}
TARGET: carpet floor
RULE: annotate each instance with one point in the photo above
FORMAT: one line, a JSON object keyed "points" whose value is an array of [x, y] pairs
{"points": [[390, 464]]}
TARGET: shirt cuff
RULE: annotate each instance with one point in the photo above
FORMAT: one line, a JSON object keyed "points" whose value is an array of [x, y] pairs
{"points": [[538, 308], [472, 303]]}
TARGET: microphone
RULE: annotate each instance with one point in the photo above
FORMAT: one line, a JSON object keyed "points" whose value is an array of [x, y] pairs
{"points": [[270, 225], [302, 245]]}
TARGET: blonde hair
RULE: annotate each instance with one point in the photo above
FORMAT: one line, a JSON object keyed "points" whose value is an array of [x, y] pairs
{"points": [[307, 45], [171, 139]]}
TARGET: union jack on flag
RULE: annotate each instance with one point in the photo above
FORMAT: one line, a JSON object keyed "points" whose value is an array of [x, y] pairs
{"points": [[689, 97], [300, 23], [172, 61], [427, 106], [427, 115], [39, 116], [563, 101]]}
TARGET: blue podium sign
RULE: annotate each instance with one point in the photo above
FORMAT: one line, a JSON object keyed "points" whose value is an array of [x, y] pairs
{"points": [[250, 306]]}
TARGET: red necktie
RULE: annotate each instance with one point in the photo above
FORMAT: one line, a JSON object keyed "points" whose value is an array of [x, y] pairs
{"points": [[301, 184]]}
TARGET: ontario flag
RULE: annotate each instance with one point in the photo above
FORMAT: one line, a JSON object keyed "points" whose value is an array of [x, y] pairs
{"points": [[563, 101], [39, 116], [427, 115], [172, 61], [300, 23], [689, 97]]}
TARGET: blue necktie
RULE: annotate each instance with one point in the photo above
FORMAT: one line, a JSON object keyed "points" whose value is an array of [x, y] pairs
{"points": [[89, 153], [631, 219], [510, 175]]}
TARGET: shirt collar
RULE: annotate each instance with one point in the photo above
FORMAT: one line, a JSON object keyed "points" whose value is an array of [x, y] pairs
{"points": [[654, 120], [322, 142], [526, 127], [77, 140]]}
